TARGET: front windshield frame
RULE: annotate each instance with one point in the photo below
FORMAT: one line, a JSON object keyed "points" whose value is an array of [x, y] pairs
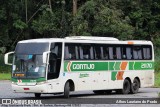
{"points": [[29, 50]]}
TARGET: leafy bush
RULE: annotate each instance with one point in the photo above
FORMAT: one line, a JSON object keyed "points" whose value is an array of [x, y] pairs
{"points": [[157, 60], [5, 76], [157, 65], [157, 69]]}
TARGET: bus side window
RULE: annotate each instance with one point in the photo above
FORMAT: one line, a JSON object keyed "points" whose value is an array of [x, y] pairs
{"points": [[105, 52], [124, 56], [66, 51], [97, 52], [129, 52], [110, 52], [91, 53], [118, 52], [77, 52], [86, 52], [81, 52], [147, 52], [137, 52], [114, 53], [102, 53], [71, 52]]}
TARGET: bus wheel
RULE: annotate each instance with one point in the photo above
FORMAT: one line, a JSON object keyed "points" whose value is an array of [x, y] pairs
{"points": [[126, 87], [37, 95], [135, 86], [66, 90]]}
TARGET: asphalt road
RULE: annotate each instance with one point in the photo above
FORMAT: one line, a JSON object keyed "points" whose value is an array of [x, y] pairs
{"points": [[6, 92], [79, 97]]}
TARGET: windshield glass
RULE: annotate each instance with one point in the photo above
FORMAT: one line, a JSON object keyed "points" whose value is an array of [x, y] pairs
{"points": [[28, 66], [28, 60], [31, 48]]}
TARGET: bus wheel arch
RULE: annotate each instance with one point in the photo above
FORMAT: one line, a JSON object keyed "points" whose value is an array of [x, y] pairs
{"points": [[72, 85], [69, 86]]}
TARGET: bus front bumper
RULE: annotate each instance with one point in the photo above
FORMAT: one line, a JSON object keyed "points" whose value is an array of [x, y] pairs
{"points": [[30, 89]]}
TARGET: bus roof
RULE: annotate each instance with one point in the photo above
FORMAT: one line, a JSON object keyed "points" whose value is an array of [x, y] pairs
{"points": [[42, 40], [87, 39], [95, 38]]}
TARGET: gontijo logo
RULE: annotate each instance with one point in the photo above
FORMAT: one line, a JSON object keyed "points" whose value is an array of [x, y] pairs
{"points": [[83, 66], [73, 66]]}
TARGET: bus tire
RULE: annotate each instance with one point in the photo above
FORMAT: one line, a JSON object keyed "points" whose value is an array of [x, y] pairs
{"points": [[126, 87], [37, 95], [67, 90], [135, 86]]}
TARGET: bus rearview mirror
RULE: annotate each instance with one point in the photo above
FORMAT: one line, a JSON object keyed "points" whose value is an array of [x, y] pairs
{"points": [[6, 58]]}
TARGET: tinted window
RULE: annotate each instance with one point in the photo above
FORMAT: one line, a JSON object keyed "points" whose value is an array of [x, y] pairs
{"points": [[147, 52], [137, 52], [31, 48], [86, 52], [71, 51], [107, 52]]}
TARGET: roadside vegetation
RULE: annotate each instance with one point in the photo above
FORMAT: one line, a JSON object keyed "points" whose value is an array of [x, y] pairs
{"points": [[157, 79], [5, 70], [5, 76], [157, 70]]}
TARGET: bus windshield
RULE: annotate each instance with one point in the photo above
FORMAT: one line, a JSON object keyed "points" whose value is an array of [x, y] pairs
{"points": [[28, 60], [28, 66]]}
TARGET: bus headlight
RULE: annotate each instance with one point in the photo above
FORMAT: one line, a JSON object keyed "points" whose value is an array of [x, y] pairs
{"points": [[14, 83]]}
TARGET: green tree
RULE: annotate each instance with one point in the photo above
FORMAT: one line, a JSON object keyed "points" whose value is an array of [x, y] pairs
{"points": [[53, 23], [97, 17], [124, 19]]}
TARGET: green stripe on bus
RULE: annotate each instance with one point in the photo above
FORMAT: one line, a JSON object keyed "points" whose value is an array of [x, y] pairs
{"points": [[131, 65], [141, 65], [73, 66], [113, 75], [65, 66], [114, 65], [117, 66], [111, 65]]}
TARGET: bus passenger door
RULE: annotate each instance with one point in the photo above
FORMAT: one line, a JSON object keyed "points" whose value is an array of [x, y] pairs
{"points": [[54, 66]]}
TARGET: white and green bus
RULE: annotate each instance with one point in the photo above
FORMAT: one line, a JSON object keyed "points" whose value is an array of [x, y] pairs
{"points": [[79, 63]]}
